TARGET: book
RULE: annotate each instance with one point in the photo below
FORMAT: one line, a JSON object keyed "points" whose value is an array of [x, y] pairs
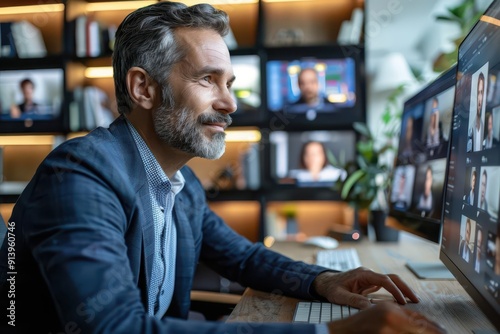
{"points": [[28, 40]]}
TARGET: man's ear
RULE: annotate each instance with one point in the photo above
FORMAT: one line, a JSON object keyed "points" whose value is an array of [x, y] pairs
{"points": [[141, 87]]}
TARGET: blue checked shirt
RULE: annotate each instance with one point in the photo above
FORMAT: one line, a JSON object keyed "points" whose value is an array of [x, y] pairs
{"points": [[162, 191]]}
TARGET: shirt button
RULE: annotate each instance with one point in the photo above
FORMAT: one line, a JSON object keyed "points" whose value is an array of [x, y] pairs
{"points": [[162, 209], [162, 292]]}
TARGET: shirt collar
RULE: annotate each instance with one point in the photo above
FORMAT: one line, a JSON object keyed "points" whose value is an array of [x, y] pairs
{"points": [[157, 178]]}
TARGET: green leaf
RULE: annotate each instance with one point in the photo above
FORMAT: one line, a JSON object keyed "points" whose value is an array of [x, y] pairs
{"points": [[350, 182], [362, 129], [331, 158]]}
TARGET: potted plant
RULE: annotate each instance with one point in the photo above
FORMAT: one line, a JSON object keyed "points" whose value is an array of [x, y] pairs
{"points": [[465, 15], [368, 182]]}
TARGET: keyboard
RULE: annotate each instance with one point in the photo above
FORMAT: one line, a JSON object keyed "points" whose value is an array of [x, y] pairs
{"points": [[341, 259], [317, 312]]}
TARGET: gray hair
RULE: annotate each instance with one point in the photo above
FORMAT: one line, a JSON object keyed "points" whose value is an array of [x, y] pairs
{"points": [[146, 39]]}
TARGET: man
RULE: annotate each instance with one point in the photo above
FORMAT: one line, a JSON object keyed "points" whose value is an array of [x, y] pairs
{"points": [[490, 141], [469, 198], [310, 96], [464, 244], [483, 204], [433, 138], [309, 87], [111, 227], [479, 247], [401, 199], [477, 129], [28, 105]]}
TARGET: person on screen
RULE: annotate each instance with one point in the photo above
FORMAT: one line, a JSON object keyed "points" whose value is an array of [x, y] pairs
{"points": [[464, 244], [28, 105], [470, 197], [407, 144], [434, 131], [483, 204], [111, 227], [314, 166], [490, 141], [425, 203], [310, 94], [401, 200], [479, 254], [476, 132]]}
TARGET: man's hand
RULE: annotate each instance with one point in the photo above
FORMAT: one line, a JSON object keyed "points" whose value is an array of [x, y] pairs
{"points": [[386, 317], [351, 287]]}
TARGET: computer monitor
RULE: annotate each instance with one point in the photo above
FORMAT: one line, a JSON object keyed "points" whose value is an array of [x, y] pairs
{"points": [[419, 171], [300, 158], [470, 240], [246, 88], [31, 100], [310, 88]]}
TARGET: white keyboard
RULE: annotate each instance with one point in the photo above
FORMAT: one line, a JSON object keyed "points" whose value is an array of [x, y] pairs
{"points": [[317, 312], [341, 259]]}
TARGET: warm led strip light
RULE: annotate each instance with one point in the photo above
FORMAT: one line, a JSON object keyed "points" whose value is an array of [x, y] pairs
{"points": [[32, 9], [26, 140], [99, 72], [247, 136], [116, 5]]}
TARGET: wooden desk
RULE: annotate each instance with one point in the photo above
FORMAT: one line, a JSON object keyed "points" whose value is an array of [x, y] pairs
{"points": [[444, 301]]}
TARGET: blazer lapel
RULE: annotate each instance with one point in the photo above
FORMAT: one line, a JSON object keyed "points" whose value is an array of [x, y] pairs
{"points": [[138, 179]]}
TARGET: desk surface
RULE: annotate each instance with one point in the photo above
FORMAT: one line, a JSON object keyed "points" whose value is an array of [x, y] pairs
{"points": [[445, 301]]}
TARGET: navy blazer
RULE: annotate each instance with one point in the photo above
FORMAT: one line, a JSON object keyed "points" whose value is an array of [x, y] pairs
{"points": [[84, 247]]}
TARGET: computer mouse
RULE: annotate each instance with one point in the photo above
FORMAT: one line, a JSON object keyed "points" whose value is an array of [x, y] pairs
{"points": [[322, 241]]}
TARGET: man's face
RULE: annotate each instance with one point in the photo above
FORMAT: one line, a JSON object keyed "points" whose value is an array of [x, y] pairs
{"points": [[200, 85], [473, 182], [27, 90], [308, 85], [480, 95], [483, 187], [479, 242]]}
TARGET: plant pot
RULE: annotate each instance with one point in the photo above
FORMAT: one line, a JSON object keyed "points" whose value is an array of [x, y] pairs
{"points": [[382, 232]]}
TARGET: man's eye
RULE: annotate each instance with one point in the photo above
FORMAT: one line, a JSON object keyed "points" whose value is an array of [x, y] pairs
{"points": [[207, 79]]}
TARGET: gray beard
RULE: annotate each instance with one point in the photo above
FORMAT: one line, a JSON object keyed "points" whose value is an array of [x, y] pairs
{"points": [[178, 129]]}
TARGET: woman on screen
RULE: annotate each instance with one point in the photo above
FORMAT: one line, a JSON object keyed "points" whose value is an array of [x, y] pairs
{"points": [[425, 203], [314, 166]]}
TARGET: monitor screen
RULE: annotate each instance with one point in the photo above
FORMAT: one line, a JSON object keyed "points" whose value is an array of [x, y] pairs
{"points": [[246, 87], [470, 241], [300, 158], [419, 172], [312, 87], [31, 100]]}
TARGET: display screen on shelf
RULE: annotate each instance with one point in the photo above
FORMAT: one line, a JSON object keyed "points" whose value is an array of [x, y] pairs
{"points": [[301, 158], [31, 99], [247, 89], [315, 87]]}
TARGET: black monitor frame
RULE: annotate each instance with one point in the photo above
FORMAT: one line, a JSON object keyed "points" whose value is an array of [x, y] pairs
{"points": [[474, 45]]}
